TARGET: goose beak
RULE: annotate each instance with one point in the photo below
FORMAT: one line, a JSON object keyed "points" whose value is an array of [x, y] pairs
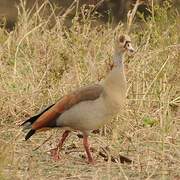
{"points": [[130, 49]]}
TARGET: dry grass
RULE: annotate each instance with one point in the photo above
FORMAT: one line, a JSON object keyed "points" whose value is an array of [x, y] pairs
{"points": [[38, 65]]}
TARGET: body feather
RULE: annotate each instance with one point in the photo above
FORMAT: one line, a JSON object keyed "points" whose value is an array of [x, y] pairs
{"points": [[48, 117]]}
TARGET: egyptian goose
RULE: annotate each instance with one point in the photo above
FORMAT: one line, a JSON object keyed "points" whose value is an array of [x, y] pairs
{"points": [[87, 108]]}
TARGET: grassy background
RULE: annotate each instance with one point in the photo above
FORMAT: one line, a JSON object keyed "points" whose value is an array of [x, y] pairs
{"points": [[38, 65]]}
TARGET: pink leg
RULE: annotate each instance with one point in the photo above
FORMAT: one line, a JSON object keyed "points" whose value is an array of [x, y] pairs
{"points": [[55, 151], [86, 147]]}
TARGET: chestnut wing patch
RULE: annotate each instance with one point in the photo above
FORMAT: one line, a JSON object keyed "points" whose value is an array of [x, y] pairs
{"points": [[48, 118]]}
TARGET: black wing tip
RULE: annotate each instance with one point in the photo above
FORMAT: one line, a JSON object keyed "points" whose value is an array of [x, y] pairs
{"points": [[22, 123], [29, 134], [30, 120]]}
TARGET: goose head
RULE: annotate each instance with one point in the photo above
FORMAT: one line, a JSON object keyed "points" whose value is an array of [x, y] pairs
{"points": [[123, 44]]}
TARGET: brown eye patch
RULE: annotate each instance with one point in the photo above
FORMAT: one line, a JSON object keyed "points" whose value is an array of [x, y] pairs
{"points": [[126, 43]]}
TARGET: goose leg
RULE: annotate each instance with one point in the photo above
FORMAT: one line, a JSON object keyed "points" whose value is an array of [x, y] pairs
{"points": [[87, 149], [55, 151]]}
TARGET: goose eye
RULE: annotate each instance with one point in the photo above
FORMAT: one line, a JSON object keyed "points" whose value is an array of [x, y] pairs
{"points": [[126, 45]]}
